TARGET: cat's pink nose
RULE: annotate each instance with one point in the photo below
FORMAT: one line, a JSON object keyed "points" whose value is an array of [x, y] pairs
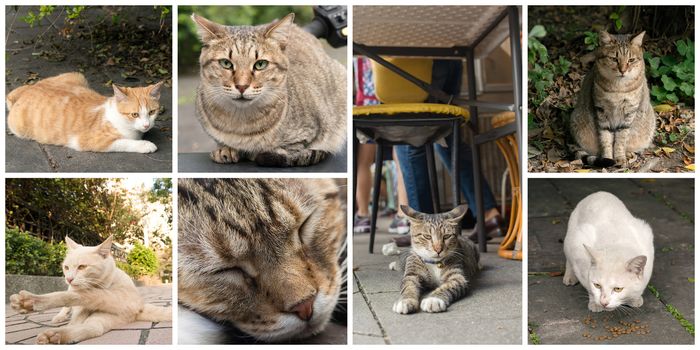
{"points": [[69, 280], [242, 88], [605, 304], [305, 309], [438, 248], [146, 124]]}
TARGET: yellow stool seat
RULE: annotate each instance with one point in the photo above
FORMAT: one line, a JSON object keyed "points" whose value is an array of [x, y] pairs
{"points": [[411, 108]]}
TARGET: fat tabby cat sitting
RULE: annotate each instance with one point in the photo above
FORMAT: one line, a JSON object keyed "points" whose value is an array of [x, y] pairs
{"points": [[258, 259], [269, 93], [613, 116], [440, 265]]}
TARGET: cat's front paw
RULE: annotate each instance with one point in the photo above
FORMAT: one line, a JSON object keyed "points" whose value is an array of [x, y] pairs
{"points": [[621, 161], [570, 278], [224, 155], [60, 318], [595, 307], [433, 304], [22, 302], [405, 306], [637, 302], [51, 336], [144, 146]]}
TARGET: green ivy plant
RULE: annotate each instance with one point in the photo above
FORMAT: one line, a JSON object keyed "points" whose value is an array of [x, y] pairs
{"points": [[672, 77], [542, 70], [591, 40]]}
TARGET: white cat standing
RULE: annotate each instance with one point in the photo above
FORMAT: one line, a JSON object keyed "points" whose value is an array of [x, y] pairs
{"points": [[100, 297], [609, 251]]}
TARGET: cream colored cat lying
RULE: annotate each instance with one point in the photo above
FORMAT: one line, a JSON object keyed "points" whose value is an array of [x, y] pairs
{"points": [[100, 297]]}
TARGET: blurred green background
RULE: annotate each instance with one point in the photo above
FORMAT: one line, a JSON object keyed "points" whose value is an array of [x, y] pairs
{"points": [[188, 40]]}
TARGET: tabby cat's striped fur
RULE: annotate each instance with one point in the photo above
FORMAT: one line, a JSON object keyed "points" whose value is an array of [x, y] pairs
{"points": [[440, 264], [261, 254], [613, 114], [269, 93]]}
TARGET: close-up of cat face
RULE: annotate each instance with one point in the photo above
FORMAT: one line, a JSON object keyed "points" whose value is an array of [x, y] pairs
{"points": [[620, 56], [139, 106], [434, 236], [243, 65], [261, 255], [615, 281], [86, 267]]}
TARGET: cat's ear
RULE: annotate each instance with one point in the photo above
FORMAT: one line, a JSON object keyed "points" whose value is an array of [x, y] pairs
{"points": [[636, 265], [590, 254], [71, 243], [154, 90], [105, 249], [637, 40], [410, 213], [604, 38], [455, 215], [119, 94], [207, 29], [279, 31]]}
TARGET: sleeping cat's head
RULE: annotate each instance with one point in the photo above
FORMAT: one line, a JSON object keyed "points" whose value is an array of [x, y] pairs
{"points": [[615, 281], [261, 254], [243, 65], [620, 56], [138, 106], [86, 267], [435, 236]]}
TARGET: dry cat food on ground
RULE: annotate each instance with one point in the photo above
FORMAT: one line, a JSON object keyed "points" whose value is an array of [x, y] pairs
{"points": [[616, 330]]}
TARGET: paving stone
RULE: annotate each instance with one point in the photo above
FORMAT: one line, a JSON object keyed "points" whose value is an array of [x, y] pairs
{"points": [[116, 337], [160, 336], [15, 337]]}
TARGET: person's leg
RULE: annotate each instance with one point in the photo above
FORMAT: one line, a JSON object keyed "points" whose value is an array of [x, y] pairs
{"points": [[365, 158], [400, 223], [415, 177]]}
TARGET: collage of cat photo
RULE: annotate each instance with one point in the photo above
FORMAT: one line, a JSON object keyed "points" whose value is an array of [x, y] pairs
{"points": [[200, 173]]}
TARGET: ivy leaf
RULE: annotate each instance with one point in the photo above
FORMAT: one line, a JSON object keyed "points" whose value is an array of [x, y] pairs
{"points": [[537, 31], [688, 89], [672, 97], [682, 47], [669, 84]]}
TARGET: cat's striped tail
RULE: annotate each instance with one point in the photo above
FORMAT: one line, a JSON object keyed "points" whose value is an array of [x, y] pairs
{"points": [[304, 157], [13, 96], [152, 313]]}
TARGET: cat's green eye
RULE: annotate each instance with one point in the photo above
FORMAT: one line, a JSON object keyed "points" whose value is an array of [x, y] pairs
{"points": [[260, 65], [596, 285], [617, 289], [81, 267], [226, 64]]}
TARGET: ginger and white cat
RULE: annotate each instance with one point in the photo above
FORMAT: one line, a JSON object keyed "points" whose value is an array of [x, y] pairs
{"points": [[100, 297], [63, 110], [609, 251]]}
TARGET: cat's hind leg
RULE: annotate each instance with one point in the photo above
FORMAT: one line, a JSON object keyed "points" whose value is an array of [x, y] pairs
{"points": [[95, 325], [304, 157], [62, 316], [569, 275]]}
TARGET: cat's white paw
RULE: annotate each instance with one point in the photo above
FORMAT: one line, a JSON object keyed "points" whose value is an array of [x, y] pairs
{"points": [[595, 307], [146, 147], [433, 304], [570, 278], [638, 302], [51, 336], [392, 266], [405, 306]]}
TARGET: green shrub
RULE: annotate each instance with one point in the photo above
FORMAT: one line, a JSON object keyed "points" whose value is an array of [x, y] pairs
{"points": [[672, 77], [28, 255], [141, 261], [541, 70]]}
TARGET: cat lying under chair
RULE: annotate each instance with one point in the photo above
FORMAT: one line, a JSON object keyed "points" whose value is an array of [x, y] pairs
{"points": [[613, 115], [609, 251], [63, 110], [269, 93], [440, 264], [100, 297]]}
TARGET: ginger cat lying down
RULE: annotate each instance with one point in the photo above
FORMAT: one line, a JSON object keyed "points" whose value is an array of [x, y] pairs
{"points": [[100, 297], [63, 110]]}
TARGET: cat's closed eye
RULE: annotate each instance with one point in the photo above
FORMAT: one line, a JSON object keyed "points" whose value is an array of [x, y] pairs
{"points": [[230, 269], [82, 267]]}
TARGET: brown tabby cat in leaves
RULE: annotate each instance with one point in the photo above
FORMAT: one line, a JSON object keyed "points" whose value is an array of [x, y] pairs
{"points": [[100, 297], [63, 110], [613, 115], [260, 255], [269, 93], [440, 265]]}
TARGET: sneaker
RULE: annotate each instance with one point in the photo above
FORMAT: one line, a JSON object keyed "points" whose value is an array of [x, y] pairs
{"points": [[399, 225], [387, 212], [361, 224]]}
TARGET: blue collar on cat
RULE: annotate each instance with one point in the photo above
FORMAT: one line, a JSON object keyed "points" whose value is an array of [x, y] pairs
{"points": [[439, 263]]}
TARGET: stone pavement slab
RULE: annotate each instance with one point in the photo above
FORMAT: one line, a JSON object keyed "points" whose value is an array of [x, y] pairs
{"points": [[558, 314], [490, 314], [200, 162], [23, 329]]}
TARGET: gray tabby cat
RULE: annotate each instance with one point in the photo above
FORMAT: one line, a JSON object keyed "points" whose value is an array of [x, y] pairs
{"points": [[269, 93], [440, 263], [613, 115]]}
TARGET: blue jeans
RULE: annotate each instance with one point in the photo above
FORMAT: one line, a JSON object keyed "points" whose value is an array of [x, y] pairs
{"points": [[447, 75]]}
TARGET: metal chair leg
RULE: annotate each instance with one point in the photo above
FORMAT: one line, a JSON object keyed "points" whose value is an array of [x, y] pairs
{"points": [[376, 185], [432, 176]]}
